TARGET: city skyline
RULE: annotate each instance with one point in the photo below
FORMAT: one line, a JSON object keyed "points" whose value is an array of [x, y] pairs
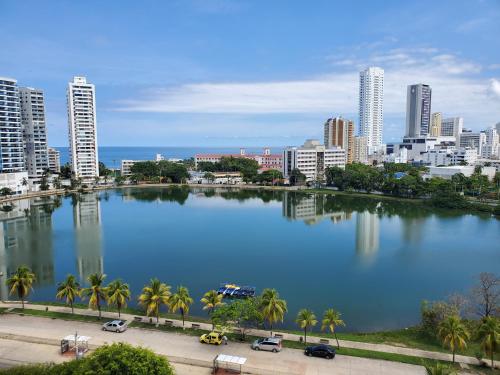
{"points": [[268, 85]]}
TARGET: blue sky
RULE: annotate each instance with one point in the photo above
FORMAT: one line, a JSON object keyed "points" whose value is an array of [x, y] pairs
{"points": [[250, 73]]}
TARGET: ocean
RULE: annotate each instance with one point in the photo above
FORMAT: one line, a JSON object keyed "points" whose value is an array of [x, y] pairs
{"points": [[112, 156]]}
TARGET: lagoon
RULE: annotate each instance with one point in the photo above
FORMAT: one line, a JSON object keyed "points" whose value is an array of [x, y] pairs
{"points": [[374, 260]]}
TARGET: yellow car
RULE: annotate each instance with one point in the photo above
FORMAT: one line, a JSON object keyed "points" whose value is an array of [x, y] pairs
{"points": [[215, 338]]}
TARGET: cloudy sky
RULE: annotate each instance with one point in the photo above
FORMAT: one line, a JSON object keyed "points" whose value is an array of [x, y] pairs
{"points": [[250, 73]]}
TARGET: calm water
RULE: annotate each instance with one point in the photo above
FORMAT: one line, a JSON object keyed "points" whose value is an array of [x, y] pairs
{"points": [[374, 261]]}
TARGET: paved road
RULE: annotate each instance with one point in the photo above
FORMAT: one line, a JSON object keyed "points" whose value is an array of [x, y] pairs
{"points": [[288, 336], [186, 349]]}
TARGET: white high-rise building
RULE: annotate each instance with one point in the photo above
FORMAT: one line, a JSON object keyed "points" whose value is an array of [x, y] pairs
{"points": [[54, 160], [34, 131], [452, 127], [371, 107], [82, 128], [418, 110], [491, 146], [11, 131], [473, 140]]}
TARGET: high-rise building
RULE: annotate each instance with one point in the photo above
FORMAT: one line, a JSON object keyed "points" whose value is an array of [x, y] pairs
{"points": [[360, 150], [312, 159], [34, 131], [371, 107], [82, 128], [54, 160], [418, 110], [11, 132], [473, 140], [436, 119], [491, 147], [339, 132], [452, 127]]}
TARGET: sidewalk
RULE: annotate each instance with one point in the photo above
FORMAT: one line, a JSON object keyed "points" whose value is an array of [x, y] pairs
{"points": [[286, 336]]}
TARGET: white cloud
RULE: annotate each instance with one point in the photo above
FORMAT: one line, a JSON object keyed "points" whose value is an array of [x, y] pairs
{"points": [[457, 90], [495, 87]]}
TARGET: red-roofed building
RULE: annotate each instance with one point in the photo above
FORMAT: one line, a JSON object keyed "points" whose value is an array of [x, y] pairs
{"points": [[266, 160]]}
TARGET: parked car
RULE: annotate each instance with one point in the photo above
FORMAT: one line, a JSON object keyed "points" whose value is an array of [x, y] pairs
{"points": [[324, 351], [271, 344], [215, 338], [115, 326]]}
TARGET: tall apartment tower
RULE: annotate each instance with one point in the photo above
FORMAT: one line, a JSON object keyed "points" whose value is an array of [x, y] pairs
{"points": [[371, 104], [11, 131], [54, 160], [436, 124], [339, 132], [82, 128], [418, 110], [491, 148], [34, 131]]}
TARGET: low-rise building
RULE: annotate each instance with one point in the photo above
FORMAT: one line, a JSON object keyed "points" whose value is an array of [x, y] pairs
{"points": [[442, 156], [361, 150], [416, 147], [266, 160], [448, 171], [17, 182], [126, 166], [474, 140], [312, 159]]}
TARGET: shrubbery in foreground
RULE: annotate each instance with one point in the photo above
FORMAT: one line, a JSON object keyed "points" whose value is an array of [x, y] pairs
{"points": [[116, 359]]}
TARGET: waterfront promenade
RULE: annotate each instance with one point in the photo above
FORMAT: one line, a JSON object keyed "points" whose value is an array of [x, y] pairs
{"points": [[184, 351], [262, 333]]}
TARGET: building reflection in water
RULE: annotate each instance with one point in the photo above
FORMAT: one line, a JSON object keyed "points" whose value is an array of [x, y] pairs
{"points": [[367, 233], [26, 232], [87, 221], [310, 208]]}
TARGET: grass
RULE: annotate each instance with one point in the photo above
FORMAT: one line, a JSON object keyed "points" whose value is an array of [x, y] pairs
{"points": [[58, 315], [126, 310]]}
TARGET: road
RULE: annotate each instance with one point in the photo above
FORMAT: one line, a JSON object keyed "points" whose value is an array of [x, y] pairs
{"points": [[185, 349]]}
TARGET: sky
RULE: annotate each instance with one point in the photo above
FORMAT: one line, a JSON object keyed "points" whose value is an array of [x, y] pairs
{"points": [[250, 73]]}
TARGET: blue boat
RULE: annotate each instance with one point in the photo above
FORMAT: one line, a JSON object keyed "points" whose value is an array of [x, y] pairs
{"points": [[236, 291]]}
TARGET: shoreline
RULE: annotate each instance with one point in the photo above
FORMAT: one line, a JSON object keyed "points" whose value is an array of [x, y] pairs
{"points": [[476, 207]]}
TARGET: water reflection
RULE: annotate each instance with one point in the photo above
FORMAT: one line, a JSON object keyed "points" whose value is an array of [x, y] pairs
{"points": [[310, 208], [88, 236], [367, 233], [26, 238]]}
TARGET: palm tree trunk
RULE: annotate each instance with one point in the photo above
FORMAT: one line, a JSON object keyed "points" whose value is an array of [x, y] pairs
{"points": [[99, 308], [492, 363], [119, 312], [271, 324], [157, 317], [72, 310], [453, 356], [305, 336], [182, 320], [338, 345], [22, 302]]}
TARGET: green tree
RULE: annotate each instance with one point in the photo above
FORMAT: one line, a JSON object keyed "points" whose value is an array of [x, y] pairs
{"points": [[489, 333], [21, 283], [173, 172], [453, 334], [121, 358], [103, 170], [297, 177], [244, 313], [97, 292], [306, 319], [118, 294], [68, 289], [332, 320], [273, 308], [181, 300], [65, 171], [4, 192], [153, 296], [211, 300], [25, 183], [209, 176]]}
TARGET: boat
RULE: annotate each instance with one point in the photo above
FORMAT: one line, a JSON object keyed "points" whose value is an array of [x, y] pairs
{"points": [[236, 291]]}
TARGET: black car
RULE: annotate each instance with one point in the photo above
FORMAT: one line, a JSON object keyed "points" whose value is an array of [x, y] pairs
{"points": [[324, 351]]}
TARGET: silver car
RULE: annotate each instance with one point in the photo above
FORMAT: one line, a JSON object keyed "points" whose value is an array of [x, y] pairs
{"points": [[271, 344], [115, 326]]}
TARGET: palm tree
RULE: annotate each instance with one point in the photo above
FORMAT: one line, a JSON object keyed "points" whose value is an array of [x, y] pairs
{"points": [[25, 182], [272, 307], [332, 320], [69, 289], [118, 294], [21, 282], [97, 292], [181, 300], [211, 300], [153, 296], [489, 332], [453, 334], [306, 319]]}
